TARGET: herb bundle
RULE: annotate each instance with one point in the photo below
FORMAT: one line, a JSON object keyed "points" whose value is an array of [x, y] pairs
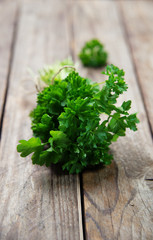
{"points": [[66, 121]]}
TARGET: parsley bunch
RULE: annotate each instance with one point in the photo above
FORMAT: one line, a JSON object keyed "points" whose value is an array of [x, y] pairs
{"points": [[93, 54], [66, 122]]}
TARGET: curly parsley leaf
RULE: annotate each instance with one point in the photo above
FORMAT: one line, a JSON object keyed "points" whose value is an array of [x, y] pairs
{"points": [[67, 126], [27, 147]]}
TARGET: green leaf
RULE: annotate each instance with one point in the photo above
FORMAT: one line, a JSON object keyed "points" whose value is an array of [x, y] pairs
{"points": [[59, 138], [42, 129], [27, 147], [126, 105], [132, 120], [115, 137]]}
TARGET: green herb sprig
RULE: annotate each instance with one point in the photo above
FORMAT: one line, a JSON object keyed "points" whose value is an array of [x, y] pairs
{"points": [[67, 126], [93, 54]]}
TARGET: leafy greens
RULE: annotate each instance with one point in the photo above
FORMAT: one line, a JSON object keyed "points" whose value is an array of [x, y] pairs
{"points": [[66, 122], [93, 54]]}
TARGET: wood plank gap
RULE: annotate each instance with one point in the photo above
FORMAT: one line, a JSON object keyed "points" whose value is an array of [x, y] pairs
{"points": [[127, 40], [14, 37], [82, 207]]}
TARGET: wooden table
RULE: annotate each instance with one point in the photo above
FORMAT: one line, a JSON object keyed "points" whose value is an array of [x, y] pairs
{"points": [[111, 203]]}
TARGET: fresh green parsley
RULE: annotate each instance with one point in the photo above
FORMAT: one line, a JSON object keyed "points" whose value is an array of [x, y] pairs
{"points": [[66, 122], [93, 54]]}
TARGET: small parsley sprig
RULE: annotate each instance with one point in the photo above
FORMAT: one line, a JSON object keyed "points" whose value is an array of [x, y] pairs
{"points": [[93, 54], [67, 126]]}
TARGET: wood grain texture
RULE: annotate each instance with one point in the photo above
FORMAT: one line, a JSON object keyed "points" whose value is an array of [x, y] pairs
{"points": [[138, 19], [118, 201], [8, 15], [35, 202]]}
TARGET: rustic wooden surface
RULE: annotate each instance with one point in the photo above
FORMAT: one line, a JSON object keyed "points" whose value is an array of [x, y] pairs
{"points": [[40, 203], [8, 17], [139, 29]]}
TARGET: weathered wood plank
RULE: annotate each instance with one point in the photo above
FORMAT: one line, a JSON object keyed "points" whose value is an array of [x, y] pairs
{"points": [[117, 200], [35, 202], [8, 14], [138, 19]]}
